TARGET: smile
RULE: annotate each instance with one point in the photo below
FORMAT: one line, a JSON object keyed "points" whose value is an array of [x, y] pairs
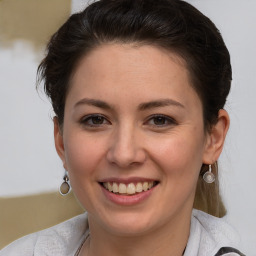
{"points": [[130, 188]]}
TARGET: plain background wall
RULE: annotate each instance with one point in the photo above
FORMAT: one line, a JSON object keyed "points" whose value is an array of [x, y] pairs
{"points": [[28, 160]]}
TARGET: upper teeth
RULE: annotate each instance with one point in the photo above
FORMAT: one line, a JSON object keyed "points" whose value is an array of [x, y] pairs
{"points": [[130, 188]]}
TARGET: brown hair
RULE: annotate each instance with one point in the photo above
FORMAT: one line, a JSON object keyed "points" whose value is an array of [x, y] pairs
{"points": [[170, 24]]}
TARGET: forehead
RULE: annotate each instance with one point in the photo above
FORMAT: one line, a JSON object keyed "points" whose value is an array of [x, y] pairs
{"points": [[125, 70]]}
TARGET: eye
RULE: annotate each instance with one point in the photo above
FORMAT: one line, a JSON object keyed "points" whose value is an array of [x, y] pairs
{"points": [[94, 120], [161, 120]]}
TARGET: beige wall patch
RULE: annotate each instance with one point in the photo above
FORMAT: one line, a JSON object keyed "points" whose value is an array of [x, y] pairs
{"points": [[31, 20]]}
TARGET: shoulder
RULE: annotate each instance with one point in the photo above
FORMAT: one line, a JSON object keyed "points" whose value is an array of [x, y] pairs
{"points": [[60, 240], [211, 236], [217, 228]]}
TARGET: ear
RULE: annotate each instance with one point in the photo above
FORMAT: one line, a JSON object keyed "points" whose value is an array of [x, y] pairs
{"points": [[216, 137], [58, 139]]}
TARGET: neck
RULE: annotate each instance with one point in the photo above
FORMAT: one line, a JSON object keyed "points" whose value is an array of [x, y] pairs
{"points": [[170, 239]]}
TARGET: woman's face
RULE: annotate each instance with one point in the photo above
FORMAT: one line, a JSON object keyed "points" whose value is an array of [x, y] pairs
{"points": [[133, 122]]}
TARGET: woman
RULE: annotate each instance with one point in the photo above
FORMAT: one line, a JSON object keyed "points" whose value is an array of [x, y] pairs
{"points": [[138, 88]]}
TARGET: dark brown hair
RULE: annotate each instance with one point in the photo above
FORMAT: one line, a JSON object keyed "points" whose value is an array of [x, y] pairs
{"points": [[173, 25]]}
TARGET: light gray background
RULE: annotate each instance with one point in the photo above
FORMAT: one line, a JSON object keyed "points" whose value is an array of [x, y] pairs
{"points": [[28, 160]]}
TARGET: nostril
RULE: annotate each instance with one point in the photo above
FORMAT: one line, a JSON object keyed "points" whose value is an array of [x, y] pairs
{"points": [[125, 161]]}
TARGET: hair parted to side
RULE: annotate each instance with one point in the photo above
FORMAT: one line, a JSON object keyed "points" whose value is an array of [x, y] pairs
{"points": [[173, 25]]}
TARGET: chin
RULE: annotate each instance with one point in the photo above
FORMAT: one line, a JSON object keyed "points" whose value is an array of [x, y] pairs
{"points": [[128, 224]]}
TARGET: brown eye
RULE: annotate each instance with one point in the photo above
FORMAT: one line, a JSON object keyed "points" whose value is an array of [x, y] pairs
{"points": [[161, 121], [97, 120], [94, 120]]}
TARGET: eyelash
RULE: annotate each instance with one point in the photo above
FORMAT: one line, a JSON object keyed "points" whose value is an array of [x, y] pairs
{"points": [[167, 120], [87, 120]]}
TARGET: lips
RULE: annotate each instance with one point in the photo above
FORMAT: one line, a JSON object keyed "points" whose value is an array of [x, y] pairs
{"points": [[130, 188]]}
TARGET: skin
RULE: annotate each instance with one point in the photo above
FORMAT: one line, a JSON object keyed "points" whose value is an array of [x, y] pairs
{"points": [[126, 141]]}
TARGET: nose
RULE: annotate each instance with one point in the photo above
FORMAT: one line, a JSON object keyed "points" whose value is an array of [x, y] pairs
{"points": [[126, 148]]}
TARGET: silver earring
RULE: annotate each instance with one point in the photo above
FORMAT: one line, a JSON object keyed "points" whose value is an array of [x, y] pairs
{"points": [[65, 186], [209, 177]]}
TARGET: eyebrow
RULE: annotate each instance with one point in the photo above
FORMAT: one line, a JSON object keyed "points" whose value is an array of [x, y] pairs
{"points": [[159, 103], [142, 106], [93, 102]]}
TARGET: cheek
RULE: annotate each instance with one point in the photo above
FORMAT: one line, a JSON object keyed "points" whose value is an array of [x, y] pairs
{"points": [[179, 156], [83, 160], [83, 155]]}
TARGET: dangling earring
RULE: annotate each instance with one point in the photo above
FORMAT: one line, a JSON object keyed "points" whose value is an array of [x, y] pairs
{"points": [[209, 177], [65, 186]]}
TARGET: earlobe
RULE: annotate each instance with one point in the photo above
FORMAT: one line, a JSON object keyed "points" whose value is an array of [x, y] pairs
{"points": [[58, 139], [216, 138]]}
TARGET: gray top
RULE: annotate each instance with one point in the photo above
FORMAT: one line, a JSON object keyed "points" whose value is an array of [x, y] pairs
{"points": [[207, 236]]}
